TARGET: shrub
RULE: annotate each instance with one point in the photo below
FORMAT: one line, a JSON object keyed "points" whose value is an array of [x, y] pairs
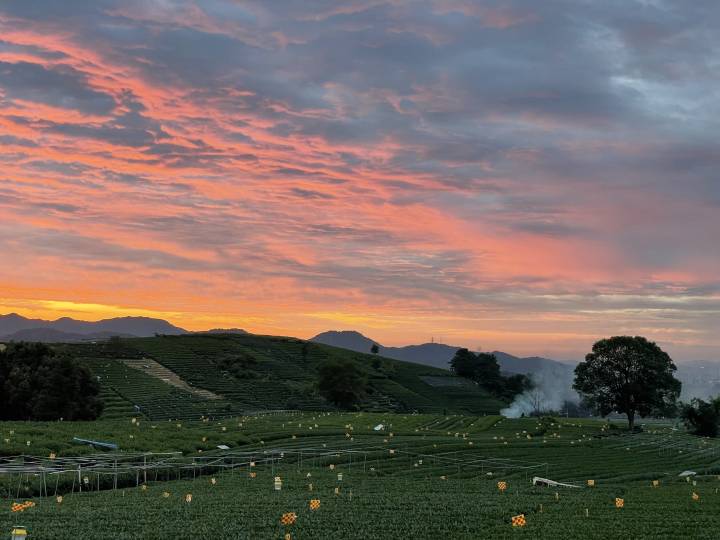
{"points": [[702, 417]]}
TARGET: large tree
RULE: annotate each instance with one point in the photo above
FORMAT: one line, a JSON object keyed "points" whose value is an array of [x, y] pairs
{"points": [[629, 375], [38, 384], [341, 382]]}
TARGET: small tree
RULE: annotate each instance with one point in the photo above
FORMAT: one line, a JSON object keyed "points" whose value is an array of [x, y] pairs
{"points": [[341, 382], [482, 368], [534, 401], [464, 364], [702, 417], [627, 375], [374, 349], [488, 370]]}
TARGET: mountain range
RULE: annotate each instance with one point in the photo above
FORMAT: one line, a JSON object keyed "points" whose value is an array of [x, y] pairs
{"points": [[14, 327], [436, 354]]}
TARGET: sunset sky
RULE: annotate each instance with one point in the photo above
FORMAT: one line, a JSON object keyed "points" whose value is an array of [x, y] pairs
{"points": [[524, 176]]}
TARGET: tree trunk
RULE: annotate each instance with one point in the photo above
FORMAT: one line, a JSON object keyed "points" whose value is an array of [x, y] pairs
{"points": [[631, 420]]}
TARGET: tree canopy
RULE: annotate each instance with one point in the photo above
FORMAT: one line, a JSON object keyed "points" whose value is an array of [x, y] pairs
{"points": [[483, 368], [341, 382], [476, 366], [38, 384], [627, 375]]}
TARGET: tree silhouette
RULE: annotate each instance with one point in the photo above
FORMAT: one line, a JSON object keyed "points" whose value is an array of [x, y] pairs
{"points": [[341, 382], [627, 375], [483, 368]]}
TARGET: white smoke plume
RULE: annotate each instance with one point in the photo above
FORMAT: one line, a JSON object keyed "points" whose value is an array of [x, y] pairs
{"points": [[552, 387]]}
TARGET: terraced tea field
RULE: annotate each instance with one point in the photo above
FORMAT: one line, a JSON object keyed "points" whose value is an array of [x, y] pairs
{"points": [[224, 375], [420, 476]]}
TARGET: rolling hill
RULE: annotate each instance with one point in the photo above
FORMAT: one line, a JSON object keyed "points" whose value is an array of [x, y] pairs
{"points": [[246, 372]]}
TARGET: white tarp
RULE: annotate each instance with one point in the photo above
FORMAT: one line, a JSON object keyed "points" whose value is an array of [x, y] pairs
{"points": [[537, 481]]}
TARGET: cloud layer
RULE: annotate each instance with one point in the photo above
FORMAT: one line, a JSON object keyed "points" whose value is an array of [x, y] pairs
{"points": [[527, 176]]}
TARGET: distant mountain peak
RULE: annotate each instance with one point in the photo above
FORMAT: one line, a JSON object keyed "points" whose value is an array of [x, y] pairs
{"points": [[347, 333], [345, 339]]}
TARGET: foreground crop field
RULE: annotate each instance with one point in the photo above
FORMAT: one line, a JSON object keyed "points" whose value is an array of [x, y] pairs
{"points": [[422, 476]]}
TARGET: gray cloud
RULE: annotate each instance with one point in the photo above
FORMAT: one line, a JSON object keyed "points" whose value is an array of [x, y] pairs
{"points": [[310, 194], [59, 86]]}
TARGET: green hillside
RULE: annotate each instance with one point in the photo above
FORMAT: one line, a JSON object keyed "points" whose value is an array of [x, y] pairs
{"points": [[253, 373]]}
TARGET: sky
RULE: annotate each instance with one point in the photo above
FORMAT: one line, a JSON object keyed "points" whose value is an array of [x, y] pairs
{"points": [[515, 175]]}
